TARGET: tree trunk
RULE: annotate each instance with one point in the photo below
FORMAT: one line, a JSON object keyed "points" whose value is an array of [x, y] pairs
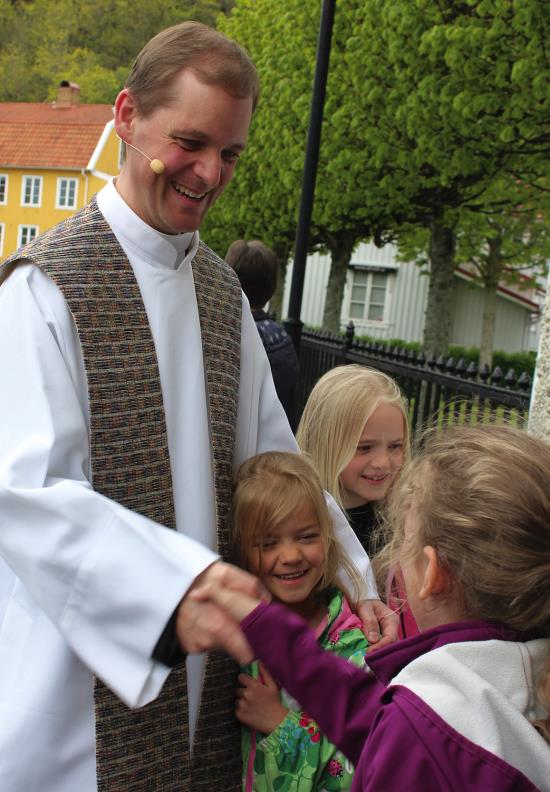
{"points": [[488, 327], [492, 269], [341, 248], [539, 411], [437, 322], [276, 302]]}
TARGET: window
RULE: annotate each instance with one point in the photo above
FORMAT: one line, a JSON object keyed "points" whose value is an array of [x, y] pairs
{"points": [[67, 190], [3, 188], [26, 233], [368, 296], [31, 192], [1, 238]]}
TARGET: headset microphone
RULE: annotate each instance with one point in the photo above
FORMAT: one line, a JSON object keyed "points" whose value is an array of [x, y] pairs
{"points": [[156, 165]]}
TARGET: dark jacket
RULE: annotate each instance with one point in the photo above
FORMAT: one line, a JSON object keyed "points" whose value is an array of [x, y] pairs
{"points": [[283, 361]]}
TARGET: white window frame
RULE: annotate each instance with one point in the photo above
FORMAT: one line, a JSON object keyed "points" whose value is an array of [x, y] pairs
{"points": [[35, 180], [5, 178], [28, 228], [364, 321], [68, 180], [2, 231]]}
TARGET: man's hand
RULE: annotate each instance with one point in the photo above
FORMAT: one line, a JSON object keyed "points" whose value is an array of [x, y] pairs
{"points": [[202, 623], [259, 703], [378, 618]]}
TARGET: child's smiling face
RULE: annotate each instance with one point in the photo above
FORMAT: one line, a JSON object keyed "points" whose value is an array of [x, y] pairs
{"points": [[379, 456], [290, 560]]}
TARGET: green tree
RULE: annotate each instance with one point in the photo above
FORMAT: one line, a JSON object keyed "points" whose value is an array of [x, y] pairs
{"points": [[91, 42], [455, 90], [263, 200], [504, 241], [428, 102]]}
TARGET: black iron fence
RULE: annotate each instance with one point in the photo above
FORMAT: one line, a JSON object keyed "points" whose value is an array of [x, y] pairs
{"points": [[439, 390]]}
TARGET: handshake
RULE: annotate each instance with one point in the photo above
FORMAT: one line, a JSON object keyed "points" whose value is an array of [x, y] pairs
{"points": [[210, 613]]}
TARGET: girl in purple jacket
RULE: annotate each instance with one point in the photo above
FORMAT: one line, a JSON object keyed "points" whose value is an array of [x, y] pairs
{"points": [[463, 705]]}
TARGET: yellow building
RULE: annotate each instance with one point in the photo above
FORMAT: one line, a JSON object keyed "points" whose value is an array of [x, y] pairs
{"points": [[53, 159]]}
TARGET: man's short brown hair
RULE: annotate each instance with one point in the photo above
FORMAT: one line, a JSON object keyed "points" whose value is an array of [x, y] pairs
{"points": [[214, 59]]}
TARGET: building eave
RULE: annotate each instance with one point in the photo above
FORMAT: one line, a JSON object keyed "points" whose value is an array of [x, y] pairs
{"points": [[505, 292]]}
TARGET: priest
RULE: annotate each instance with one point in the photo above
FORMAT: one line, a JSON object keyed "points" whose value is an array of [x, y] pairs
{"points": [[133, 383]]}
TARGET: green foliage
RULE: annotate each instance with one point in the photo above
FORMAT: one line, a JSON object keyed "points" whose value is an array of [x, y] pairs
{"points": [[518, 361], [427, 103], [468, 354], [91, 42], [506, 234]]}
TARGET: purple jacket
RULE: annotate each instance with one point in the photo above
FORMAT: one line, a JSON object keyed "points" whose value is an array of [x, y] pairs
{"points": [[448, 709]]}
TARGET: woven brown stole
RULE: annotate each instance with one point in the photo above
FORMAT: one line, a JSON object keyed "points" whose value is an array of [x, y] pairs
{"points": [[147, 750]]}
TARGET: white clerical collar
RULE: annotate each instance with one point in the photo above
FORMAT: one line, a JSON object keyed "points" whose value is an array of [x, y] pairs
{"points": [[166, 251]]}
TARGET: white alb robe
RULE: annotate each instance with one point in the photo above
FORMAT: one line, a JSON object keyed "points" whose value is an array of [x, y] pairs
{"points": [[85, 583]]}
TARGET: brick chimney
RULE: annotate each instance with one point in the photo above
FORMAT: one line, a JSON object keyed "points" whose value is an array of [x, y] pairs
{"points": [[68, 94]]}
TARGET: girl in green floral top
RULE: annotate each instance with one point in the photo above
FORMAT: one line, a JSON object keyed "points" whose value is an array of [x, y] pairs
{"points": [[282, 533]]}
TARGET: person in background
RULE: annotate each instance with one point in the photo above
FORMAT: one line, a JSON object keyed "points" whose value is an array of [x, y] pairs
{"points": [[256, 266], [282, 532], [465, 704]]}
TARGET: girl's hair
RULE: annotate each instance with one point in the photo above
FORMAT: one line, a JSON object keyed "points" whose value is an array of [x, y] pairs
{"points": [[480, 496], [269, 488], [335, 415]]}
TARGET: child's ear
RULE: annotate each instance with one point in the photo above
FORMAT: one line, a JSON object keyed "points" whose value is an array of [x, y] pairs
{"points": [[436, 577]]}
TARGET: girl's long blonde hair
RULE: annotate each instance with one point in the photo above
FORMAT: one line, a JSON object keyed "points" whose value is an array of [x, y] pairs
{"points": [[480, 496], [269, 488], [335, 415]]}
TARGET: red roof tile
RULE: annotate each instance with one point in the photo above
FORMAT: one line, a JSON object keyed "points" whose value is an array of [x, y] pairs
{"points": [[43, 135]]}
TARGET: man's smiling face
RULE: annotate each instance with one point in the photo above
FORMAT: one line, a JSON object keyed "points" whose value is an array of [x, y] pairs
{"points": [[198, 137]]}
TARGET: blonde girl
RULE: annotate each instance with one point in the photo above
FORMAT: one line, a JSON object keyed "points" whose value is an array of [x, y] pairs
{"points": [[354, 427], [282, 533], [464, 704]]}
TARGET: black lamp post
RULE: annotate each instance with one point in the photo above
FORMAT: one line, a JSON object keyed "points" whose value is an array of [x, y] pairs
{"points": [[293, 323]]}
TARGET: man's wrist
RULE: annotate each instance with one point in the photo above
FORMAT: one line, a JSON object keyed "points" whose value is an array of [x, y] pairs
{"points": [[167, 649]]}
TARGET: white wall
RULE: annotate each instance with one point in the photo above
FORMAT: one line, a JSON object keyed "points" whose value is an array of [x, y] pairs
{"points": [[407, 296]]}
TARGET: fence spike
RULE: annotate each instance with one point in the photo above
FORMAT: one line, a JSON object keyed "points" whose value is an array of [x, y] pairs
{"points": [[450, 364], [323, 356], [460, 367], [510, 378], [484, 372], [496, 376], [350, 332]]}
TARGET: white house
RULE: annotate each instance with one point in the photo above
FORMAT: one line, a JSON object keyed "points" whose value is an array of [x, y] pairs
{"points": [[386, 298]]}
